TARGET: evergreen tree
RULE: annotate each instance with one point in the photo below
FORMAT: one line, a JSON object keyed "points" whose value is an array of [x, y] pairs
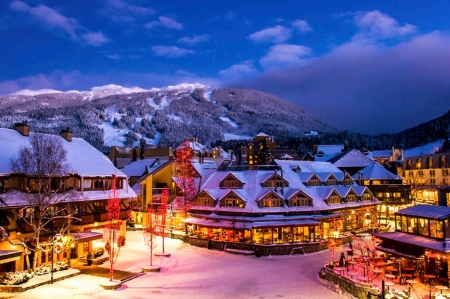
{"points": [[134, 156], [142, 146], [264, 157]]}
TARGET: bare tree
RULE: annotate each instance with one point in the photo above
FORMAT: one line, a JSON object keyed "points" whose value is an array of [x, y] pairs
{"points": [[43, 164]]}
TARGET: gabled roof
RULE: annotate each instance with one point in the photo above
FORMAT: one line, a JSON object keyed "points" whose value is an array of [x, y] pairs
{"points": [[235, 192], [83, 158], [139, 167], [351, 158], [375, 171], [426, 211], [266, 193]]}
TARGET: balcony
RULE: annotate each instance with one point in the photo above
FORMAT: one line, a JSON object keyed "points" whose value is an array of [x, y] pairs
{"points": [[24, 227], [84, 219], [101, 217], [158, 192]]}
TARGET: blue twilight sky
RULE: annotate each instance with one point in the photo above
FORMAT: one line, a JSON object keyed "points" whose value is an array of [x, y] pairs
{"points": [[366, 66]]}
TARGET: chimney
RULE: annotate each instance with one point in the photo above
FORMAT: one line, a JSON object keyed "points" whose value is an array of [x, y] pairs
{"points": [[276, 181], [23, 128], [66, 134]]}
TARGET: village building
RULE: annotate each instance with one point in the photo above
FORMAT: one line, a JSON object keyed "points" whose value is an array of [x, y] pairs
{"points": [[386, 186], [89, 184], [427, 171], [422, 236], [287, 202]]}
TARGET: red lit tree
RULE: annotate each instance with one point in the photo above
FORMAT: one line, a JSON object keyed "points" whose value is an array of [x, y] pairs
{"points": [[162, 216], [185, 175], [111, 234]]}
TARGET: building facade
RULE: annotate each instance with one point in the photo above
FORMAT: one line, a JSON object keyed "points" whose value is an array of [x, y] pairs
{"points": [[84, 192]]}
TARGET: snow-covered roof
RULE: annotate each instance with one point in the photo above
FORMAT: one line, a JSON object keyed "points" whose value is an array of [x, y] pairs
{"points": [[426, 211], [351, 158], [252, 190], [426, 149], [83, 158], [375, 171], [141, 167]]}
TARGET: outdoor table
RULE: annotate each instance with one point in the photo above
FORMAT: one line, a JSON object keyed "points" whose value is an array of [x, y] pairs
{"points": [[441, 288], [429, 277], [340, 270], [389, 276], [377, 272], [405, 277], [353, 263], [388, 284], [380, 265]]}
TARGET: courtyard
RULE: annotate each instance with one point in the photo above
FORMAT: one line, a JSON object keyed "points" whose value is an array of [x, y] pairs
{"points": [[193, 272]]}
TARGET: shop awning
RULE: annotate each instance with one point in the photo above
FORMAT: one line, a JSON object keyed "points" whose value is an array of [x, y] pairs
{"points": [[396, 252], [7, 256], [86, 236], [213, 223], [409, 241]]}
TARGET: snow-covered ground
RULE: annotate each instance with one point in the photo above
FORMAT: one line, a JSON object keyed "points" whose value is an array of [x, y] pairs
{"points": [[192, 272]]}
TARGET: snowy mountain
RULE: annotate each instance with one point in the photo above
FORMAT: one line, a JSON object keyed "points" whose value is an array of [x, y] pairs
{"points": [[115, 115]]}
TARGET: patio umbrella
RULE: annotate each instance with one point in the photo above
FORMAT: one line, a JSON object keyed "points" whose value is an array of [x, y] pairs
{"points": [[342, 260]]}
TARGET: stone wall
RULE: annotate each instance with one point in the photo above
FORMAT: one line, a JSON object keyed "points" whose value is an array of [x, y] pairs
{"points": [[259, 249], [347, 285]]}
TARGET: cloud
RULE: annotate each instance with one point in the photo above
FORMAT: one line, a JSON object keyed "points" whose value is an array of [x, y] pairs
{"points": [[120, 11], [194, 40], [236, 71], [375, 24], [53, 20], [369, 88], [302, 26], [95, 38], [276, 34], [285, 56], [48, 16], [171, 51], [165, 22], [114, 56]]}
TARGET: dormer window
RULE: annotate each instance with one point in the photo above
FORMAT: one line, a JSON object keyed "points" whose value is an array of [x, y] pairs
{"points": [[271, 201], [351, 197], [231, 182], [418, 163], [232, 200], [314, 181], [275, 181], [300, 200], [331, 181], [334, 199], [204, 199]]}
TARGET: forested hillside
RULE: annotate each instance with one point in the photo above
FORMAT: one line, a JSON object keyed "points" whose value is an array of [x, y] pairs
{"points": [[108, 115]]}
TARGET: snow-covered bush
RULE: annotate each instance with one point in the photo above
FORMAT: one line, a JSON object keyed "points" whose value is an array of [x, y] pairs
{"points": [[15, 278]]}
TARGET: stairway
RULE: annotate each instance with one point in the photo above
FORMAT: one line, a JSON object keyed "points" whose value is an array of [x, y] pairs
{"points": [[132, 276]]}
